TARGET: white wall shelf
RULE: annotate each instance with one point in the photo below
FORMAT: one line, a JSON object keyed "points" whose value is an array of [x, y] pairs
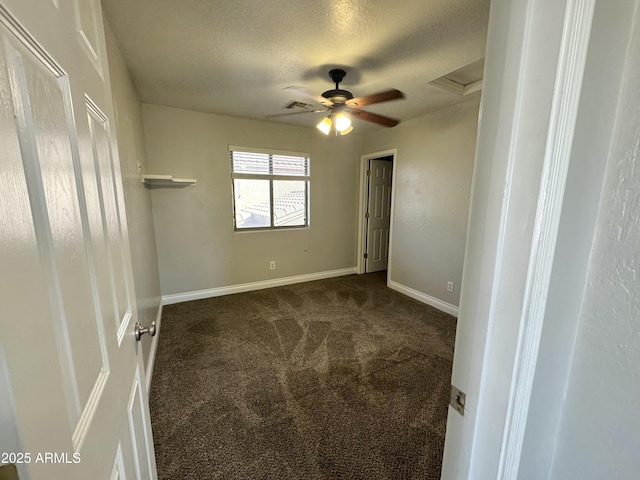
{"points": [[167, 181]]}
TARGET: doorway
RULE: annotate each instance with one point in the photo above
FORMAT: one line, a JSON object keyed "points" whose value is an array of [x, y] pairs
{"points": [[376, 206]]}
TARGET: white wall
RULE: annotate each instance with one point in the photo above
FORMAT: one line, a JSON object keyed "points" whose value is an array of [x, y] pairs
{"points": [[129, 131], [433, 171], [599, 434], [197, 246]]}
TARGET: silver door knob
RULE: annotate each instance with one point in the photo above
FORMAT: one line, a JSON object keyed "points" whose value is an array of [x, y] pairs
{"points": [[139, 330]]}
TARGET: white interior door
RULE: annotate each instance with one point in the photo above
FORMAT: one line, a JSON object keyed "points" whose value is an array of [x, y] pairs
{"points": [[378, 215], [76, 399]]}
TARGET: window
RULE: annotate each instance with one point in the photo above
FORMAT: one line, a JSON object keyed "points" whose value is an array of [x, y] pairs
{"points": [[270, 189]]}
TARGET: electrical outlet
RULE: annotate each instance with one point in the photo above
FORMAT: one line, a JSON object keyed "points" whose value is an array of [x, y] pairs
{"points": [[272, 265], [449, 286]]}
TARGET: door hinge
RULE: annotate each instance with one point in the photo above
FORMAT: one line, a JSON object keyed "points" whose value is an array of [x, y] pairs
{"points": [[457, 399], [366, 255], [366, 215], [368, 173]]}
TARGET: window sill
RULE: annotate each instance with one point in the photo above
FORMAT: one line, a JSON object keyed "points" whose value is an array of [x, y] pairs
{"points": [[265, 230]]}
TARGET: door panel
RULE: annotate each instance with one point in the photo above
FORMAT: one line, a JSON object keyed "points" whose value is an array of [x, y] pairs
{"points": [[40, 108], [106, 181], [65, 269], [86, 16], [20, 255], [379, 210], [31, 280], [118, 468], [138, 426]]}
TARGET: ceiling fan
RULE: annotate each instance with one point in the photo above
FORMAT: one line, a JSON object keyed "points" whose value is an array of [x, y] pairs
{"points": [[341, 104]]}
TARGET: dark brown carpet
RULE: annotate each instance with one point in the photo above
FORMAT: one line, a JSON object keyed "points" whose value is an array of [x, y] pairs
{"points": [[333, 379]]}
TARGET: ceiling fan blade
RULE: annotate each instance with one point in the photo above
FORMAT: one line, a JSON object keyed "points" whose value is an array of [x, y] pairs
{"points": [[373, 117], [309, 95], [297, 113], [379, 97]]}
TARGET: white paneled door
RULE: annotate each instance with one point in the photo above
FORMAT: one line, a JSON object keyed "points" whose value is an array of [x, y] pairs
{"points": [[75, 400], [379, 215]]}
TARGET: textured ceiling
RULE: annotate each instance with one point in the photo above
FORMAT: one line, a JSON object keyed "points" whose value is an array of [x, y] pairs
{"points": [[234, 57]]}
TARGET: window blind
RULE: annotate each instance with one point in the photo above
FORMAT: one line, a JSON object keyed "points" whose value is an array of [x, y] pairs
{"points": [[251, 163]]}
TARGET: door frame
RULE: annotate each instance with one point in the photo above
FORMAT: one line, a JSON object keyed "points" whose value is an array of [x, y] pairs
{"points": [[536, 51], [363, 196]]}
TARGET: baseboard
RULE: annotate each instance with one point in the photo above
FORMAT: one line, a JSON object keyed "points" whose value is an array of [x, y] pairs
{"points": [[247, 287], [424, 298], [152, 353]]}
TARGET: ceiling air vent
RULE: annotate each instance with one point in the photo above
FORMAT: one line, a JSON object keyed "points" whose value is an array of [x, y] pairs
{"points": [[464, 81], [295, 106]]}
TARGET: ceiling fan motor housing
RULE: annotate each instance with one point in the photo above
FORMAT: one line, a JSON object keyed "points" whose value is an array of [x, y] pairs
{"points": [[337, 95]]}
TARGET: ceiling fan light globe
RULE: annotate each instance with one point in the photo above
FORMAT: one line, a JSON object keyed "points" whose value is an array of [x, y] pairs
{"points": [[347, 130], [325, 125], [342, 122]]}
